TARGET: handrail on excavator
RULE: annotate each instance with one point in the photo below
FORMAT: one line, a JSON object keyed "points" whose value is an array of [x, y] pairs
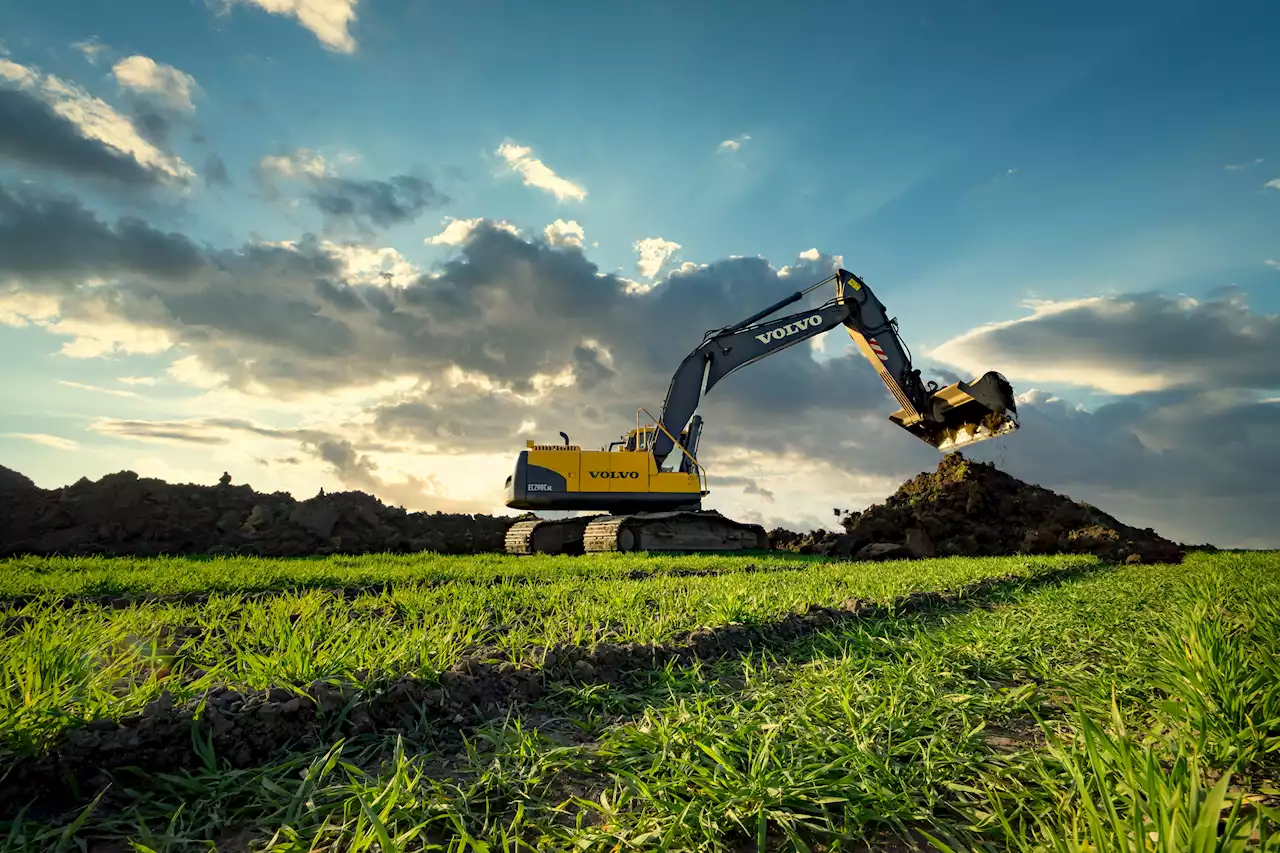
{"points": [[702, 472]]}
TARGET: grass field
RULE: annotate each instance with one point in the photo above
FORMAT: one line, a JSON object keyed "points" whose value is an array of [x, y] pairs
{"points": [[769, 702]]}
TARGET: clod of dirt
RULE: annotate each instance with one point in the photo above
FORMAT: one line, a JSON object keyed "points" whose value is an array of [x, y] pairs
{"points": [[972, 509], [123, 514]]}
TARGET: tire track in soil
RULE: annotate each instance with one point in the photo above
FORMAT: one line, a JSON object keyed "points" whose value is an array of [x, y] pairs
{"points": [[250, 728], [354, 591]]}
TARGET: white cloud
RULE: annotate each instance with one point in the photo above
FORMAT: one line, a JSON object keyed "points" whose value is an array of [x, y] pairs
{"points": [[810, 254], [1257, 161], [303, 161], [53, 441], [143, 74], [733, 144], [363, 264], [91, 47], [138, 380], [654, 253], [94, 118], [328, 20], [20, 308], [456, 231], [372, 266], [1272, 263], [562, 233], [190, 371], [1274, 183], [114, 392], [538, 174]]}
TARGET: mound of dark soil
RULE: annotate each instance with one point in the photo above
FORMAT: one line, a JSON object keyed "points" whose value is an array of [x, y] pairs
{"points": [[123, 514], [973, 509]]}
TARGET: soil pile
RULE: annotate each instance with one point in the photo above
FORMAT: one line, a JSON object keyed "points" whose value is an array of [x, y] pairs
{"points": [[972, 509], [123, 514]]}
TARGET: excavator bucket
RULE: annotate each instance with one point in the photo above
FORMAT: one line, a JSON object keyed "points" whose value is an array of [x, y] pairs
{"points": [[964, 413]]}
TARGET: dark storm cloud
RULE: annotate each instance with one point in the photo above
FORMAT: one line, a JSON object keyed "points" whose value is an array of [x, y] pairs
{"points": [[365, 203], [45, 236], [32, 134], [1215, 343]]}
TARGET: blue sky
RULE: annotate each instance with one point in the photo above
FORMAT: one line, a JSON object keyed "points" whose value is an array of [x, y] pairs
{"points": [[963, 157]]}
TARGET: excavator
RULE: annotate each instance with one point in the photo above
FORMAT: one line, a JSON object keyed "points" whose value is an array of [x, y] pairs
{"points": [[646, 489]]}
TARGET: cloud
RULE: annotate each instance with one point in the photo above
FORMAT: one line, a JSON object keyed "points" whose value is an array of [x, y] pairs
{"points": [[1274, 184], [355, 202], [1129, 344], [733, 144], [654, 253], [144, 75], [115, 392], [215, 172], [53, 441], [538, 174], [368, 265], [365, 203], [1272, 263], [458, 231], [52, 239], [33, 134], [116, 150], [91, 48], [562, 233], [304, 161], [1234, 167], [138, 380], [328, 20]]}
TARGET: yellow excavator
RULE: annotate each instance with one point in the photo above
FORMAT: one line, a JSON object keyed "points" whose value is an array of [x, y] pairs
{"points": [[646, 490]]}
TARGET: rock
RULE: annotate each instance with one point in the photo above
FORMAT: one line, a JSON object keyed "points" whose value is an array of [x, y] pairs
{"points": [[230, 520], [884, 551], [919, 544], [315, 515]]}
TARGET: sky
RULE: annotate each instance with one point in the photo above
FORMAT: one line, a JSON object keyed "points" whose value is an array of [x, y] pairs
{"points": [[378, 244]]}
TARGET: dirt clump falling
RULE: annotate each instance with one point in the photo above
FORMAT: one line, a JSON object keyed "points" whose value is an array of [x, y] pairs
{"points": [[973, 509]]}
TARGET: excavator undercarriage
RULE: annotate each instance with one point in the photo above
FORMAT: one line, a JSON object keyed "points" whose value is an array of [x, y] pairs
{"points": [[672, 532], [646, 490]]}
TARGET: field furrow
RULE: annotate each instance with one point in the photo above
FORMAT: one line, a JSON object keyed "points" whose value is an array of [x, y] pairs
{"points": [[251, 728], [1011, 704]]}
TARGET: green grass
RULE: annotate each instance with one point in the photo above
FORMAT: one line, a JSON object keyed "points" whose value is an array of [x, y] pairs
{"points": [[1130, 708]]}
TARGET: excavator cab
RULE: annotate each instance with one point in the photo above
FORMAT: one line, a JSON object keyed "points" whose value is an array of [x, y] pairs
{"points": [[963, 413]]}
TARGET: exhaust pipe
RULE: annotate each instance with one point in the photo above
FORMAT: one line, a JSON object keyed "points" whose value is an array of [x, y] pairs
{"points": [[964, 413]]}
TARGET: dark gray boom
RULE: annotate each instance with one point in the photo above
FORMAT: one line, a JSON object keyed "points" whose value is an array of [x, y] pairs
{"points": [[945, 418]]}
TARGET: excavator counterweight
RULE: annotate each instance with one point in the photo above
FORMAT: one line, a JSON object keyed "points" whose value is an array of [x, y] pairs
{"points": [[646, 490]]}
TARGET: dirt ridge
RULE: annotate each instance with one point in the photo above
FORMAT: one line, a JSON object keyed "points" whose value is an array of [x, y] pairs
{"points": [[350, 592], [245, 728], [123, 514]]}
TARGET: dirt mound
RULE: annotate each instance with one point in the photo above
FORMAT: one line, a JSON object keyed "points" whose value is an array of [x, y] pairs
{"points": [[123, 514], [973, 509]]}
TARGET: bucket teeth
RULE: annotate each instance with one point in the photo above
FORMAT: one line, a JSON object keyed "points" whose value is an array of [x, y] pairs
{"points": [[965, 413]]}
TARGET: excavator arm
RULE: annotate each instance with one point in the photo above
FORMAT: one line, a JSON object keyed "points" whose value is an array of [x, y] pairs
{"points": [[945, 418]]}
